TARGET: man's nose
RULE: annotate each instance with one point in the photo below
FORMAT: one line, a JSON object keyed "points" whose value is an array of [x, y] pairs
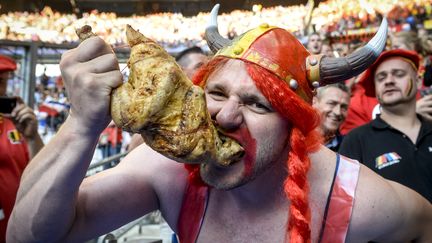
{"points": [[337, 110], [230, 116], [390, 79]]}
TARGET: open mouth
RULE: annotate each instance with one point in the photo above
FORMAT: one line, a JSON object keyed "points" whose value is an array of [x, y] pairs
{"points": [[226, 141]]}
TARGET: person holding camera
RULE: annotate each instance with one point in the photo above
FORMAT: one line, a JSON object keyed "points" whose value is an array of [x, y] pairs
{"points": [[424, 106], [19, 142]]}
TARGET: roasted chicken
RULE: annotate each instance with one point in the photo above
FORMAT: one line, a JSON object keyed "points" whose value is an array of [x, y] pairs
{"points": [[161, 103]]}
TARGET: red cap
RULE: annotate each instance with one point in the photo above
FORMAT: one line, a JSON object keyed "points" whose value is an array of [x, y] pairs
{"points": [[367, 78], [7, 64]]}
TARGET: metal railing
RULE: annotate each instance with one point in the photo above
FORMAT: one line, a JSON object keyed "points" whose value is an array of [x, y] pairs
{"points": [[121, 233], [115, 235]]}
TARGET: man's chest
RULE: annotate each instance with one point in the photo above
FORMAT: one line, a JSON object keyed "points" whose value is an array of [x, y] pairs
{"points": [[235, 227], [265, 224]]}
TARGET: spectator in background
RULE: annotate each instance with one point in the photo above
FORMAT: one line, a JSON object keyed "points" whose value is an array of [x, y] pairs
{"points": [[110, 140], [326, 49], [397, 144], [314, 43], [19, 142], [44, 79], [426, 48], [407, 40], [332, 102], [55, 108], [340, 49], [424, 106], [191, 59], [364, 105], [51, 26], [345, 49]]}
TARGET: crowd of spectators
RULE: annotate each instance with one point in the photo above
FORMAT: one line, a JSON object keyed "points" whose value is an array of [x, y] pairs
{"points": [[331, 18], [339, 24]]}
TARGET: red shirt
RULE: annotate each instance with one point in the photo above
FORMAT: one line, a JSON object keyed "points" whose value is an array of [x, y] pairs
{"points": [[14, 156], [360, 110], [114, 135]]}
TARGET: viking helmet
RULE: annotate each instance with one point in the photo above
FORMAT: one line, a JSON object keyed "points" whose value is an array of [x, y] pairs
{"points": [[278, 51]]}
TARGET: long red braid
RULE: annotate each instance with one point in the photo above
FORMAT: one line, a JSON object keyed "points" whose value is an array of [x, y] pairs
{"points": [[304, 139]]}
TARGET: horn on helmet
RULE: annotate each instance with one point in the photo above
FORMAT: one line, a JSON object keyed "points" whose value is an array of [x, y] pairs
{"points": [[214, 40], [332, 70]]}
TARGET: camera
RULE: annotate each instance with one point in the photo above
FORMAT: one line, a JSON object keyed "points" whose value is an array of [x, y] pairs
{"points": [[7, 104]]}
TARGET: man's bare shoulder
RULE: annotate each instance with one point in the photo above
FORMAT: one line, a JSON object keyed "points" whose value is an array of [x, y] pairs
{"points": [[322, 172], [385, 211]]}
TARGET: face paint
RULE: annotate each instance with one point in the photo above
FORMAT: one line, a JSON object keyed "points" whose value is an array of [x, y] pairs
{"points": [[250, 149], [249, 144], [409, 87]]}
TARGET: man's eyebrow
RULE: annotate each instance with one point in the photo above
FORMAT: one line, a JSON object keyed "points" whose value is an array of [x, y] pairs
{"points": [[391, 70], [216, 86], [254, 98], [380, 73], [250, 97], [199, 64], [332, 99]]}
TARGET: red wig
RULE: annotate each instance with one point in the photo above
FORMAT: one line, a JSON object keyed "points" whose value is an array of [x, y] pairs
{"points": [[304, 139]]}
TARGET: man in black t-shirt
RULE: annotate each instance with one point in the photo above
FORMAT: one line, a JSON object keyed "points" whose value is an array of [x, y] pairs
{"points": [[398, 143]]}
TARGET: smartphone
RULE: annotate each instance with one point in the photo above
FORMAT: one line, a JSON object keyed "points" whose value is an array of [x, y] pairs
{"points": [[426, 91], [7, 104]]}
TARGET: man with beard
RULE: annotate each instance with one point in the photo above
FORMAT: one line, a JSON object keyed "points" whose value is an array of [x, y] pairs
{"points": [[286, 186], [332, 102], [397, 144]]}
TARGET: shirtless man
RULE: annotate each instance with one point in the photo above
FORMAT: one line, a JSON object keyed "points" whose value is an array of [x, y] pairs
{"points": [[278, 191]]}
